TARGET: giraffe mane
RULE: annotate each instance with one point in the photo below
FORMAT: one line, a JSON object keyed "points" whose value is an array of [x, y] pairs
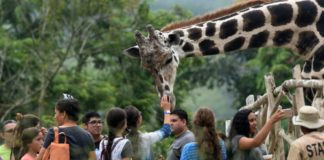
{"points": [[213, 15]]}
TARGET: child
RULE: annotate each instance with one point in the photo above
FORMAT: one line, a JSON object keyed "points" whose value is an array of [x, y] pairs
{"points": [[32, 141]]}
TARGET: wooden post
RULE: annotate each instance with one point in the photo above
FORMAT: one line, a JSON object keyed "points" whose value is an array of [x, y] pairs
{"points": [[274, 141], [269, 82], [298, 100]]}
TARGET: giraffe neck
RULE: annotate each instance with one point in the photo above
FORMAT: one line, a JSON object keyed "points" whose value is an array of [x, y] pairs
{"points": [[294, 24]]}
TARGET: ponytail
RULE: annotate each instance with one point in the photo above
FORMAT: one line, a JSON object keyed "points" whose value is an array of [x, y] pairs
{"points": [[106, 151], [133, 136]]}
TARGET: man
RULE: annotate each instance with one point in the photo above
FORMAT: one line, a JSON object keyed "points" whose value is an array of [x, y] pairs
{"points": [[179, 128], [6, 133], [93, 124], [310, 146]]}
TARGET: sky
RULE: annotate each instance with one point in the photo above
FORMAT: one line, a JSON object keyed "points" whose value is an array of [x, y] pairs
{"points": [[197, 7]]}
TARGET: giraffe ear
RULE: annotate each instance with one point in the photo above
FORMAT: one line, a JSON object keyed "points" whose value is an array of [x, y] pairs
{"points": [[132, 52], [174, 39]]}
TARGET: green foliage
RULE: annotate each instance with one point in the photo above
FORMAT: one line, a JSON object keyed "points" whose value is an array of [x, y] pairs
{"points": [[52, 47]]}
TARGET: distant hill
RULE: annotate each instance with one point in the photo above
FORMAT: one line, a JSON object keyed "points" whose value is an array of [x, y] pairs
{"points": [[197, 7]]}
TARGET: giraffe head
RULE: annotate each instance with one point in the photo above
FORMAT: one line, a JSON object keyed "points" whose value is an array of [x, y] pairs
{"points": [[158, 58]]}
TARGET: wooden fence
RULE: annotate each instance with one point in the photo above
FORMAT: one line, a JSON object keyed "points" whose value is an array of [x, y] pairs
{"points": [[268, 103]]}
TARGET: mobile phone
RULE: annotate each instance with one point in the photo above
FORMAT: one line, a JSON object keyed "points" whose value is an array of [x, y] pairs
{"points": [[288, 113]]}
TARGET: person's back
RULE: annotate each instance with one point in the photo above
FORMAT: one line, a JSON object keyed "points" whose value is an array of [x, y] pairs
{"points": [[121, 147], [311, 145], [115, 146], [207, 143], [142, 141], [80, 141]]}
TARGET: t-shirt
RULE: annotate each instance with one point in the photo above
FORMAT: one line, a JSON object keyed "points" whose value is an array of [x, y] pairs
{"points": [[122, 148], [175, 149], [80, 141], [27, 157], [308, 147], [246, 154], [190, 151], [5, 152]]}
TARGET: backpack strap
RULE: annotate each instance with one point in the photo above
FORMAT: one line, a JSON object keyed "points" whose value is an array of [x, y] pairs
{"points": [[56, 138], [57, 134]]}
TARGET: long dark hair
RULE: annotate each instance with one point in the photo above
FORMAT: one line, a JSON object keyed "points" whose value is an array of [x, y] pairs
{"points": [[70, 106], [116, 120], [27, 137], [206, 135], [23, 122], [240, 124], [133, 115]]}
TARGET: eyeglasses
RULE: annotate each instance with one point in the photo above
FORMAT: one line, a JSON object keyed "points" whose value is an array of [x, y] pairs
{"points": [[95, 122]]}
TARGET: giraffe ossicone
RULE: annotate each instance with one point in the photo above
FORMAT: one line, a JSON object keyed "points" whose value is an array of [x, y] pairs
{"points": [[294, 24]]}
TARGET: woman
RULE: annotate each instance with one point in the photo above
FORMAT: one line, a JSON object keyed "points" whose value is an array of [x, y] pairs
{"points": [[32, 141], [80, 141], [23, 122], [115, 147], [243, 143], [142, 141], [208, 144]]}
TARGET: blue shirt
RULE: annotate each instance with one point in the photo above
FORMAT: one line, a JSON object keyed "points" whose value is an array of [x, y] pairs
{"points": [[190, 151]]}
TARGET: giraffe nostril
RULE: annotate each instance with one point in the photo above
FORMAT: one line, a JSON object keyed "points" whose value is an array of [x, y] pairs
{"points": [[161, 78], [167, 88]]}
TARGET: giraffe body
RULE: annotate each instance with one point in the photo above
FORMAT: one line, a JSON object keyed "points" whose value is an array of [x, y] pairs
{"points": [[294, 24]]}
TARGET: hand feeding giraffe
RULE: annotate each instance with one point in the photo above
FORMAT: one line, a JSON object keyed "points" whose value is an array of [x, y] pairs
{"points": [[294, 24]]}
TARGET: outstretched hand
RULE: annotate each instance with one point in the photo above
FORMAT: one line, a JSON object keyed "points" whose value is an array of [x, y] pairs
{"points": [[165, 103], [277, 116]]}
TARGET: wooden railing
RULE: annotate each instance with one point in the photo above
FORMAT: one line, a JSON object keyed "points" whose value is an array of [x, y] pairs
{"points": [[268, 103]]}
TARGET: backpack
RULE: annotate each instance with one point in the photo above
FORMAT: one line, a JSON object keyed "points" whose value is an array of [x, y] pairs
{"points": [[56, 150]]}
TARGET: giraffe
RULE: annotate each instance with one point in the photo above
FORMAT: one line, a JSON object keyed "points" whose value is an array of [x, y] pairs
{"points": [[294, 24]]}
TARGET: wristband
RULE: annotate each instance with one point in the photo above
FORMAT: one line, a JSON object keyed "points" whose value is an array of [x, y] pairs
{"points": [[167, 112]]}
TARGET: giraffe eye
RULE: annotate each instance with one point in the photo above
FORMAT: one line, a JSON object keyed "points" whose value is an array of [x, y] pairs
{"points": [[168, 61]]}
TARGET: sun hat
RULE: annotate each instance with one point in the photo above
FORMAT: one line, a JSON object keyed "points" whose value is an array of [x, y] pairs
{"points": [[308, 117]]}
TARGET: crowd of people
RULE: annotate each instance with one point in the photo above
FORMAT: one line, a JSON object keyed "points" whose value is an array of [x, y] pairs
{"points": [[25, 138]]}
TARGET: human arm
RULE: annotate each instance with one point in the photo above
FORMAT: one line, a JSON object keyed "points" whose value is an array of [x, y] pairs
{"points": [[166, 106], [248, 143], [165, 130]]}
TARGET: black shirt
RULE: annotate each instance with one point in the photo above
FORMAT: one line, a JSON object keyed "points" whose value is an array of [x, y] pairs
{"points": [[81, 142]]}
